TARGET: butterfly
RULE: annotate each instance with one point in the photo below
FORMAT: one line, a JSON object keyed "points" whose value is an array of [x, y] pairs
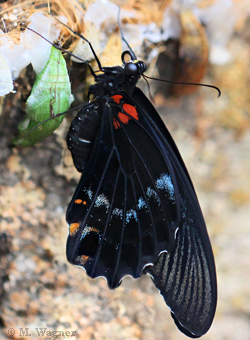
{"points": [[135, 210]]}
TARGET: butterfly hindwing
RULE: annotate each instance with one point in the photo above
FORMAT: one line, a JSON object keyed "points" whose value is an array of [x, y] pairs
{"points": [[124, 211]]}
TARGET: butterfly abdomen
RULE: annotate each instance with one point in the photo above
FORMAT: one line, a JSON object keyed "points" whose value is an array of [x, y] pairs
{"points": [[81, 134]]}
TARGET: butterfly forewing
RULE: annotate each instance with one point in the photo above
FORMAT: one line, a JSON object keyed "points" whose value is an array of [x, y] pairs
{"points": [[186, 276]]}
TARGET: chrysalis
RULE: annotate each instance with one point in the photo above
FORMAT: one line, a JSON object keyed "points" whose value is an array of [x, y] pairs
{"points": [[51, 94]]}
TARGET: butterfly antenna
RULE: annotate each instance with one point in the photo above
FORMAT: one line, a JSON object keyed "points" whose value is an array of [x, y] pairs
{"points": [[82, 37], [65, 51], [148, 86], [120, 27], [182, 83]]}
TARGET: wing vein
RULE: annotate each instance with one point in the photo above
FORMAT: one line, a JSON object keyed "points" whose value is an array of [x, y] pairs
{"points": [[107, 222]]}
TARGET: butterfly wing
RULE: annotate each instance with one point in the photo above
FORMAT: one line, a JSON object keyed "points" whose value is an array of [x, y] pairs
{"points": [[126, 208], [186, 277], [135, 209]]}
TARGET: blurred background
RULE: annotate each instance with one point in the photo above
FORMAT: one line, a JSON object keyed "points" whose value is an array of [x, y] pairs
{"points": [[204, 41]]}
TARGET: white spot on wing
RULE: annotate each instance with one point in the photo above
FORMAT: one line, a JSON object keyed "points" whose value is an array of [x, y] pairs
{"points": [[84, 140], [129, 214], [118, 212], [89, 192], [102, 200]]}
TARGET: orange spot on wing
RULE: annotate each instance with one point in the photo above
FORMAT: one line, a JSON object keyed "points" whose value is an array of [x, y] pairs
{"points": [[79, 201], [73, 227], [117, 98], [82, 259]]}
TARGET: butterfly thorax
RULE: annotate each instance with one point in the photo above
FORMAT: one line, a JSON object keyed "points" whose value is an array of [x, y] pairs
{"points": [[113, 80]]}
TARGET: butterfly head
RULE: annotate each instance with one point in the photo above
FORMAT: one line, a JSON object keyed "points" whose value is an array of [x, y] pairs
{"points": [[133, 67], [117, 78]]}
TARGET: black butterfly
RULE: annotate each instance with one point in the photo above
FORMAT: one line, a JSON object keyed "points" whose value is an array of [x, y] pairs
{"points": [[135, 210]]}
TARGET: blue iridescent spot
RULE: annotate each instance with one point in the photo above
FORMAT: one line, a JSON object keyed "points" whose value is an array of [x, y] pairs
{"points": [[131, 214], [141, 203], [152, 193], [87, 229], [164, 183]]}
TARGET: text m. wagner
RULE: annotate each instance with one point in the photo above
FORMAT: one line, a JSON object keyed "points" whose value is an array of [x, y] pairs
{"points": [[42, 331]]}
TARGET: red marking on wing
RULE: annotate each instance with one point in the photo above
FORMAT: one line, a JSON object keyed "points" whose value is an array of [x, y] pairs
{"points": [[129, 109], [116, 123], [117, 98]]}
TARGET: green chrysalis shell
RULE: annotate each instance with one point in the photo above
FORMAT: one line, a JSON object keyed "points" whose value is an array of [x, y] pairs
{"points": [[50, 95]]}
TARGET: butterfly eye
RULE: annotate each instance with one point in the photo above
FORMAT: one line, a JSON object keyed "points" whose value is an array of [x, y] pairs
{"points": [[131, 69], [141, 66]]}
